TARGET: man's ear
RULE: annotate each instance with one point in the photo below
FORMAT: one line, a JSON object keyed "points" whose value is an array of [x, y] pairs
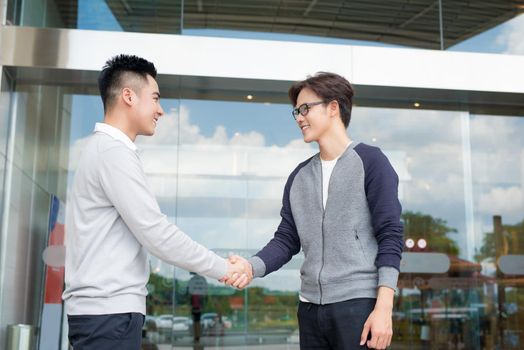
{"points": [[334, 108], [128, 96]]}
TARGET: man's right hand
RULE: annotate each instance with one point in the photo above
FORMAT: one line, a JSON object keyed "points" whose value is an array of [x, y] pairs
{"points": [[240, 272]]}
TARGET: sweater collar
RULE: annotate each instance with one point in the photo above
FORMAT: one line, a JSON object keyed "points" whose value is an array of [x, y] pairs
{"points": [[344, 154]]}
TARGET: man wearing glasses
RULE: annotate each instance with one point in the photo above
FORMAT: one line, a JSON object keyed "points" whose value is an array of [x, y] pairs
{"points": [[341, 207]]}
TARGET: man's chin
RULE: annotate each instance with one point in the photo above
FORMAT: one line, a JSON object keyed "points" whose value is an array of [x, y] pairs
{"points": [[147, 133], [308, 140]]}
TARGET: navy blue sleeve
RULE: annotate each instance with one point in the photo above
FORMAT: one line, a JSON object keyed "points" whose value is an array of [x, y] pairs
{"points": [[286, 241], [381, 185]]}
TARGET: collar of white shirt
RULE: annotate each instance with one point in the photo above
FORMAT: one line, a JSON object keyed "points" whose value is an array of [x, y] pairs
{"points": [[115, 133]]}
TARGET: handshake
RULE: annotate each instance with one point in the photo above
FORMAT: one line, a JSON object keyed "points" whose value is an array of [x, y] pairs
{"points": [[239, 272]]}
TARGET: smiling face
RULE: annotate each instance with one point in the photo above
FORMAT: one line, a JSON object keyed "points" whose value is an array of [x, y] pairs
{"points": [[147, 109], [317, 121]]}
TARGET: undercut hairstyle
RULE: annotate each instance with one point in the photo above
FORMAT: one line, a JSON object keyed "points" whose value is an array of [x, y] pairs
{"points": [[329, 87], [120, 72]]}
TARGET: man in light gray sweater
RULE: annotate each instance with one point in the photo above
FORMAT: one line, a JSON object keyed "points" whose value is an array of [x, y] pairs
{"points": [[113, 219]]}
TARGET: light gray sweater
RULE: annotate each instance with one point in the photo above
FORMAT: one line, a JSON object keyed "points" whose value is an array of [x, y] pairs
{"points": [[112, 219]]}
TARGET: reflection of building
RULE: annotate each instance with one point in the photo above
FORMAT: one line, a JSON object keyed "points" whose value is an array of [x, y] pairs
{"points": [[450, 121]]}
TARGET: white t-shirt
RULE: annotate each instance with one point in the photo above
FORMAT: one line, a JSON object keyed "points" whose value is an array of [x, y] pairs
{"points": [[327, 170]]}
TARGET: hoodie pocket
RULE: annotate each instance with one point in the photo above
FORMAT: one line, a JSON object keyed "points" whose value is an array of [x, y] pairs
{"points": [[360, 245]]}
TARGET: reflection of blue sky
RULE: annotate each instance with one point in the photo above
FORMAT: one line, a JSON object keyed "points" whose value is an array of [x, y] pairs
{"points": [[411, 132], [498, 169], [430, 140], [221, 209], [274, 121], [282, 37], [504, 38], [483, 42], [95, 14], [86, 110]]}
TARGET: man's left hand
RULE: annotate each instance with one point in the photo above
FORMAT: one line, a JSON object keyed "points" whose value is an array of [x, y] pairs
{"points": [[380, 324]]}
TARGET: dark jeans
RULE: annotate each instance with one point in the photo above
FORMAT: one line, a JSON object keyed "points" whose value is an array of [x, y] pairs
{"points": [[106, 332], [334, 326]]}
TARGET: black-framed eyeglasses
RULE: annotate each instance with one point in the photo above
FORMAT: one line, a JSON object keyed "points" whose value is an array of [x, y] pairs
{"points": [[304, 108]]}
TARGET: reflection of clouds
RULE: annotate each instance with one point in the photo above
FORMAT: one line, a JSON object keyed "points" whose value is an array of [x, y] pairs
{"points": [[431, 144], [225, 190], [299, 143], [498, 168], [497, 145], [512, 36], [498, 171], [508, 202], [230, 233], [403, 129], [174, 125]]}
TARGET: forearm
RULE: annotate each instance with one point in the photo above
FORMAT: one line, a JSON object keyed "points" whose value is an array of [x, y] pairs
{"points": [[385, 298], [275, 254], [280, 248], [169, 243]]}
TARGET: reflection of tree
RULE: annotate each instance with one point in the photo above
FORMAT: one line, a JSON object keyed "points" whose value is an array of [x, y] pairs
{"points": [[160, 296], [509, 243], [434, 230], [502, 241], [266, 308]]}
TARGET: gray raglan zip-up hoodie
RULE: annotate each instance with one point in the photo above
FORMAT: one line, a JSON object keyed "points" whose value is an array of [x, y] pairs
{"points": [[355, 244]]}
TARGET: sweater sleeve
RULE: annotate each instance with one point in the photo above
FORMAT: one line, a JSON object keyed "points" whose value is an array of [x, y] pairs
{"points": [[124, 183], [381, 186], [285, 242]]}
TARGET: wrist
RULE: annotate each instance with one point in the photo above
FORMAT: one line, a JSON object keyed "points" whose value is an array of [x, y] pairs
{"points": [[385, 298], [383, 306], [251, 270]]}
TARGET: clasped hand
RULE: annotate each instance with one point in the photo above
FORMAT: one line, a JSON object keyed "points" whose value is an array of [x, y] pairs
{"points": [[239, 272]]}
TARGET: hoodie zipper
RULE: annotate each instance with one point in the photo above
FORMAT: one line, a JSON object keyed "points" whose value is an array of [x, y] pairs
{"points": [[321, 266], [323, 215], [324, 212]]}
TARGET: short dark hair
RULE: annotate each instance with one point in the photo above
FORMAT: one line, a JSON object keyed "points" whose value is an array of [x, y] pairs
{"points": [[329, 87], [117, 71]]}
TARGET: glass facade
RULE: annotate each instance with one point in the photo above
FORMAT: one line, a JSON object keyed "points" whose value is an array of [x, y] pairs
{"points": [[33, 171], [5, 104], [498, 204], [218, 169], [219, 161], [504, 38], [442, 25]]}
